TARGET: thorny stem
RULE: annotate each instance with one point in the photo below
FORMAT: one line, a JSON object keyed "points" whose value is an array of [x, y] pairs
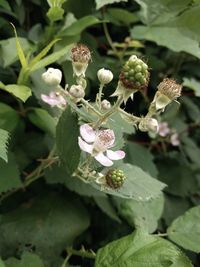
{"points": [[88, 106], [130, 117], [82, 253], [37, 173], [99, 95], [66, 260]]}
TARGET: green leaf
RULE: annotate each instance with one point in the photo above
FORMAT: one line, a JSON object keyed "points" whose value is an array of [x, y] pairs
{"points": [[141, 250], [122, 15], [4, 136], [101, 3], [51, 58], [185, 230], [179, 177], [9, 118], [191, 149], [43, 53], [192, 84], [27, 260], [5, 4], [9, 52], [106, 206], [1, 263], [20, 51], [141, 156], [20, 91], [48, 223], [67, 133], [142, 215], [167, 36], [78, 26], [139, 185], [55, 13], [10, 176], [43, 120]]}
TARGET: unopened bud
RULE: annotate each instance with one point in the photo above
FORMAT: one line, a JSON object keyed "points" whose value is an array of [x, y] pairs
{"points": [[80, 56], [104, 76], [77, 91], [52, 77], [105, 104], [149, 125]]}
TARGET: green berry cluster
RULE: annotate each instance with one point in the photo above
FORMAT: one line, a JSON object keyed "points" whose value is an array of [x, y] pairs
{"points": [[134, 74], [115, 178]]}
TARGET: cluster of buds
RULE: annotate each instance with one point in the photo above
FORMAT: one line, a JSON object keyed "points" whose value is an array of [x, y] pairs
{"points": [[95, 140]]}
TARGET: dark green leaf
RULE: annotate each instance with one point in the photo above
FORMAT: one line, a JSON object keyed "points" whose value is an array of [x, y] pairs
{"points": [[20, 91], [101, 3], [4, 136], [8, 117], [27, 260], [67, 133]]}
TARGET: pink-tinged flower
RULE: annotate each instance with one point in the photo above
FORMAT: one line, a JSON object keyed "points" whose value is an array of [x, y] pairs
{"points": [[98, 142], [164, 129], [174, 139], [54, 99]]}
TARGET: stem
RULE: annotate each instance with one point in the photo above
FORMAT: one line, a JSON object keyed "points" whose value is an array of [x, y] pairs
{"points": [[99, 95], [82, 253], [87, 104], [66, 260], [164, 234], [131, 117]]}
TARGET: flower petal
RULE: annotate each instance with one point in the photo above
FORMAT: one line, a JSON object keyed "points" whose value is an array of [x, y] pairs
{"points": [[87, 133], [47, 99], [84, 146], [115, 155], [101, 158]]}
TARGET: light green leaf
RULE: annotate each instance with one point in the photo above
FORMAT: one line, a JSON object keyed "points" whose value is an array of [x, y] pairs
{"points": [[122, 15], [167, 36], [8, 50], [78, 26], [43, 53], [67, 133], [10, 176], [2, 264], [192, 84], [20, 51], [140, 156], [141, 250], [42, 119], [9, 118], [51, 58], [48, 223], [55, 13], [5, 4], [4, 136], [20, 91], [101, 3], [139, 185], [142, 215], [27, 260], [185, 230]]}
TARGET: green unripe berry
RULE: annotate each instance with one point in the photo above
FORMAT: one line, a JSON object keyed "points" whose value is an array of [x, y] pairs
{"points": [[115, 178]]}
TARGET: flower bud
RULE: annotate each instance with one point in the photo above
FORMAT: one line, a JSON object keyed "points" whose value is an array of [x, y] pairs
{"points": [[80, 56], [115, 178], [52, 77], [148, 125], [168, 90], [77, 91], [105, 104], [104, 76]]}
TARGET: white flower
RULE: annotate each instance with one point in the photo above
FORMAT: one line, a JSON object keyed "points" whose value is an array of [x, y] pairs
{"points": [[54, 99], [104, 76], [52, 77], [148, 124], [164, 129], [77, 91], [98, 142], [105, 104]]}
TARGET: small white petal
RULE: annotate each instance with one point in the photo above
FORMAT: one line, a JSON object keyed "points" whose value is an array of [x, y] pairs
{"points": [[101, 158], [84, 146], [115, 155], [87, 133]]}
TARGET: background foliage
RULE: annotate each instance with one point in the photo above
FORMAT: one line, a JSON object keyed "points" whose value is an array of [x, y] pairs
{"points": [[44, 212]]}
